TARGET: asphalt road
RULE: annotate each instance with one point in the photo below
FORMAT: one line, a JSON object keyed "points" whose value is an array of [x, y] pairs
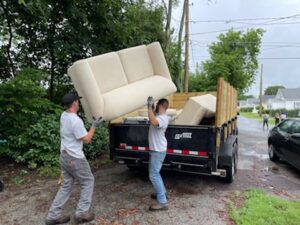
{"points": [[123, 197]]}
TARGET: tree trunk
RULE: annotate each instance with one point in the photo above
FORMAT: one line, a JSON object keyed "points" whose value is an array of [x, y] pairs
{"points": [[6, 13], [168, 24]]}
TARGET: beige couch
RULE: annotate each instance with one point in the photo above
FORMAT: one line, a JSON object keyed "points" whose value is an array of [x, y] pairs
{"points": [[117, 83], [196, 109]]}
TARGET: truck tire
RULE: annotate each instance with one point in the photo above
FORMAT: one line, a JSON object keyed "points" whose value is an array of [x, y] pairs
{"points": [[272, 155], [1, 185], [230, 170]]}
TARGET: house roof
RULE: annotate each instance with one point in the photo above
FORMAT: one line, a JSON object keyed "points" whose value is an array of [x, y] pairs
{"points": [[290, 93]]}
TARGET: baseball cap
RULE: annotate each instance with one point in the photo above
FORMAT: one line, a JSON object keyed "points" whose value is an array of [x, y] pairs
{"points": [[69, 98]]}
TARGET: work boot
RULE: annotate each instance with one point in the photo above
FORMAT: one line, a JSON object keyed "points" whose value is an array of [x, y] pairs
{"points": [[154, 196], [84, 217], [158, 207], [59, 220]]}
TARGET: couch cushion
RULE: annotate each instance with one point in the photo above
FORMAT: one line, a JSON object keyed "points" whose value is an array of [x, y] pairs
{"points": [[136, 63], [197, 108], [133, 96], [108, 71]]}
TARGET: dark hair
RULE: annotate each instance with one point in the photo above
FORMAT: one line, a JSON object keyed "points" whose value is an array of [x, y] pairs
{"points": [[163, 102]]}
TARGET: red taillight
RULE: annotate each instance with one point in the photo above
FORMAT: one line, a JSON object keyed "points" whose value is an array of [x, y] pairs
{"points": [[170, 150], [122, 146], [202, 153]]}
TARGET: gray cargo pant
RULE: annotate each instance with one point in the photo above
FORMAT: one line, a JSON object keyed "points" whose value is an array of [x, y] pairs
{"points": [[73, 169]]}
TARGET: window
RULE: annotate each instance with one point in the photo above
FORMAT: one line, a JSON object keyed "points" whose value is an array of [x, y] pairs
{"points": [[295, 128], [285, 126]]}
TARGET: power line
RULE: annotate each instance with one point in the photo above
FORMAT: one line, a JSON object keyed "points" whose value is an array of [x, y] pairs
{"points": [[244, 19], [239, 28], [279, 58], [259, 58]]}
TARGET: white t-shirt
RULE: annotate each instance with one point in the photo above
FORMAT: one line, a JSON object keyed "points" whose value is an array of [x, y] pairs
{"points": [[157, 138], [71, 131]]}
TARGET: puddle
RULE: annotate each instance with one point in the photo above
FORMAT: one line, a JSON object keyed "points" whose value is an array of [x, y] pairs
{"points": [[254, 154], [245, 165]]}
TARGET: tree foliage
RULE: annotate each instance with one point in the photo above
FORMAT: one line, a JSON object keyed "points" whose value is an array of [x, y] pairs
{"points": [[233, 57], [52, 34], [23, 101], [272, 90]]}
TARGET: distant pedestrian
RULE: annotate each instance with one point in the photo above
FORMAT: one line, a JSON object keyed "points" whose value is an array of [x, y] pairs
{"points": [[266, 121], [282, 116], [277, 119]]}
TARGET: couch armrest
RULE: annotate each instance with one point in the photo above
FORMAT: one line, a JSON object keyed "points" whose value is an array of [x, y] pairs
{"points": [[158, 60], [86, 86]]}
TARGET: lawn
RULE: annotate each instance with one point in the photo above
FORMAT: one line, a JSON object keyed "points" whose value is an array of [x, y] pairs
{"points": [[259, 208], [257, 117]]}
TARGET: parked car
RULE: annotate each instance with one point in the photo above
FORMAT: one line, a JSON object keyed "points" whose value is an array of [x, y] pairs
{"points": [[284, 142]]}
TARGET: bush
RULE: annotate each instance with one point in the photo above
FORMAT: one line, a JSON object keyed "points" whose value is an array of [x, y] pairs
{"points": [[40, 143], [99, 142], [23, 101], [246, 109], [289, 113]]}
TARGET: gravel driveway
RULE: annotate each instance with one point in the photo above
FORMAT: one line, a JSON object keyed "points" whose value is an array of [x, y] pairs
{"points": [[123, 197]]}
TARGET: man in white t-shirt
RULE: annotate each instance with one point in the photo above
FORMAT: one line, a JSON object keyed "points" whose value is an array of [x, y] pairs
{"points": [[158, 146], [73, 164]]}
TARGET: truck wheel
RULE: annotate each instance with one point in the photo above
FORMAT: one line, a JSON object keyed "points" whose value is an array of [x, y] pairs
{"points": [[132, 168], [1, 185], [272, 155], [230, 171]]}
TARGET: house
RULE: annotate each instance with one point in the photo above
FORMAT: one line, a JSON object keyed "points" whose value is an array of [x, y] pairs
{"points": [[254, 102], [288, 98], [250, 102]]}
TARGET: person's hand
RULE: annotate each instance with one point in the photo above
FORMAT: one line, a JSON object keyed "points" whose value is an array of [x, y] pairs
{"points": [[150, 102], [96, 122]]}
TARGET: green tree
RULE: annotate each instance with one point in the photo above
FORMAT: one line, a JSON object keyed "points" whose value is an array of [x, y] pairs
{"points": [[52, 34], [234, 57], [23, 101], [272, 90]]}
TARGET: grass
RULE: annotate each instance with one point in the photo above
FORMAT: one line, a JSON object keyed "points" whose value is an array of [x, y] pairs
{"points": [[251, 115], [260, 208]]}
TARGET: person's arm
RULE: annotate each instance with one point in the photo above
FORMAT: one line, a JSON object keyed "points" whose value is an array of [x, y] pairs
{"points": [[87, 138], [152, 118], [95, 123]]}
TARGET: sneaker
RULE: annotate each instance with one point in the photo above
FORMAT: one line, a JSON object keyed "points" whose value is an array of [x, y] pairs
{"points": [[84, 217], [158, 207], [153, 196], [60, 220]]}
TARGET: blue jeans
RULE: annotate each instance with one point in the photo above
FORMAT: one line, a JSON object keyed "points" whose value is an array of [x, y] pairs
{"points": [[156, 161]]}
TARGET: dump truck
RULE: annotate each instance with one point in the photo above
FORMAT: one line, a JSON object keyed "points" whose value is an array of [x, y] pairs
{"points": [[210, 148]]}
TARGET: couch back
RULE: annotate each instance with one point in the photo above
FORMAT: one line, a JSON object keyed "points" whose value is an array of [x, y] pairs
{"points": [[116, 69]]}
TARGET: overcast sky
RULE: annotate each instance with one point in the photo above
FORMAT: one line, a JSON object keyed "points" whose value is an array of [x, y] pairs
{"points": [[279, 18]]}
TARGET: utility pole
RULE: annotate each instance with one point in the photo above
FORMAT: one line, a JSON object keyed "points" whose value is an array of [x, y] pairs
{"points": [[186, 64], [179, 76], [260, 91]]}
